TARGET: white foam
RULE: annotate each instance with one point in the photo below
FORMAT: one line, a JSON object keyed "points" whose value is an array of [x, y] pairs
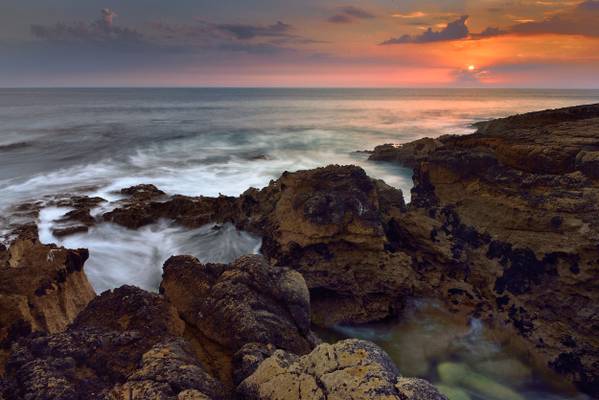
{"points": [[120, 256]]}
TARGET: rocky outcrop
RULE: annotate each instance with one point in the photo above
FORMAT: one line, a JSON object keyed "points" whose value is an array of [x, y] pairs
{"points": [[124, 345], [332, 224], [351, 369], [248, 301], [42, 288], [407, 154], [506, 222], [79, 219], [146, 204]]}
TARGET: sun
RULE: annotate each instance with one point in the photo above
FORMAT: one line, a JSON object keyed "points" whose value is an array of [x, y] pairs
{"points": [[471, 68]]}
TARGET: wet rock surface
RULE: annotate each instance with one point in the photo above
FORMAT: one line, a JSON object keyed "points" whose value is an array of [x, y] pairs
{"points": [[350, 369]]}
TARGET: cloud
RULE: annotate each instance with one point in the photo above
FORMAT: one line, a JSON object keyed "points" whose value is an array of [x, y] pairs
{"points": [[356, 12], [350, 14], [470, 77], [245, 32], [453, 31], [415, 14], [580, 20], [99, 31], [340, 19], [488, 32]]}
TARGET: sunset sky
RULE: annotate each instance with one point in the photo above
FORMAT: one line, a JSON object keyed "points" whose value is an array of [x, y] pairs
{"points": [[312, 43]]}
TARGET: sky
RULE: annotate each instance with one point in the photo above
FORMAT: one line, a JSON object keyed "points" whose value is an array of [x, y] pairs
{"points": [[300, 43]]}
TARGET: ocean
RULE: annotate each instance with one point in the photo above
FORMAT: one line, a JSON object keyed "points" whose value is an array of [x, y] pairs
{"points": [[223, 141]]}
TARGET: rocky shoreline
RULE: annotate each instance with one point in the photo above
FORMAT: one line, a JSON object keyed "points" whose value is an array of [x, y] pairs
{"points": [[503, 226]]}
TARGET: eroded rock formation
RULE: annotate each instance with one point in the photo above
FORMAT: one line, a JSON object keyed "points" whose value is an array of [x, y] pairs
{"points": [[125, 345], [350, 369], [42, 288], [507, 220]]}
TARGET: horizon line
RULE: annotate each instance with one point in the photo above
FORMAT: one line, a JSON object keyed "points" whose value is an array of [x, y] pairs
{"points": [[306, 87]]}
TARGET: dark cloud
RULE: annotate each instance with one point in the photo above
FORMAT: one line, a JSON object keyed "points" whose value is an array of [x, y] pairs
{"points": [[589, 5], [340, 19], [349, 14], [453, 31], [487, 33], [245, 32], [356, 12], [100, 31], [580, 20]]}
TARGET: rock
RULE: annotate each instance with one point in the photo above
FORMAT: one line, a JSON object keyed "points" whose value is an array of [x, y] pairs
{"points": [[351, 369], [408, 154], [247, 301], [169, 371], [418, 389], [247, 359], [333, 225], [42, 288], [144, 209], [129, 308], [143, 192], [124, 345], [460, 375]]}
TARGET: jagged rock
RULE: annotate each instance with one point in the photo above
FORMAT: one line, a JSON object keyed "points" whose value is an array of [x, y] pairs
{"points": [[333, 225], [169, 371], [78, 220], [129, 308], [350, 369], [42, 288], [124, 345], [408, 154], [247, 359], [247, 301], [142, 192], [193, 212]]}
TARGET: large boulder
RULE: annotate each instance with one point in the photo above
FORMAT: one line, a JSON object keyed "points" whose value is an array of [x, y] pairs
{"points": [[42, 288], [247, 301], [350, 369], [335, 225]]}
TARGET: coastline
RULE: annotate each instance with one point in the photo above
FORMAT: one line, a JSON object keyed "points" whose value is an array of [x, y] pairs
{"points": [[500, 228]]}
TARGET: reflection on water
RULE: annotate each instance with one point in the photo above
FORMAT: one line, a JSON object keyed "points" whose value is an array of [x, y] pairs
{"points": [[464, 359], [120, 256]]}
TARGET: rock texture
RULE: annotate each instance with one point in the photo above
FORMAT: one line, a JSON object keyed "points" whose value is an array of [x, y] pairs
{"points": [[503, 225], [248, 301], [42, 288], [124, 345], [351, 369], [506, 220]]}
